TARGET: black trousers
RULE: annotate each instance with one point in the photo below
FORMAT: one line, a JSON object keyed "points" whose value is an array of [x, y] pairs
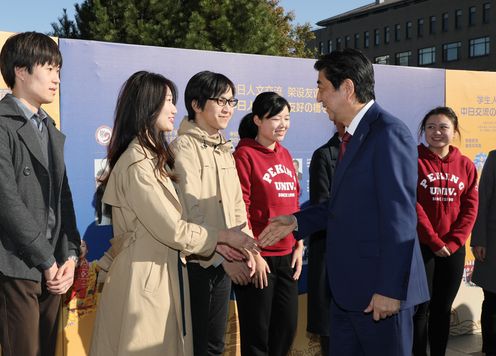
{"points": [[432, 319], [210, 290], [268, 317], [28, 318], [488, 321]]}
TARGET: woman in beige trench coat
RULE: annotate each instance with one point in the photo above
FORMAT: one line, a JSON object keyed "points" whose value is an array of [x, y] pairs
{"points": [[144, 307]]}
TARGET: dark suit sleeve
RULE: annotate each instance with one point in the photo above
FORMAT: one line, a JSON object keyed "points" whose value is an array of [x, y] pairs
{"points": [[17, 222], [312, 219], [395, 170], [69, 229]]}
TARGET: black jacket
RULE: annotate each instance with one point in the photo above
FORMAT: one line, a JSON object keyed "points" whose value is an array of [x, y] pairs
{"points": [[322, 168]]}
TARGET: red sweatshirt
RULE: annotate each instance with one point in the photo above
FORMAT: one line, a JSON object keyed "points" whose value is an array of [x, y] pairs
{"points": [[270, 188], [447, 199]]}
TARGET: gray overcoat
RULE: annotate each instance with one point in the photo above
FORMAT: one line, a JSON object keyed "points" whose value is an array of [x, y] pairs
{"points": [[25, 184]]}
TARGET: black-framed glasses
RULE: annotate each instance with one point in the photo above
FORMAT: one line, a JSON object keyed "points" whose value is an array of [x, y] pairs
{"points": [[223, 101]]}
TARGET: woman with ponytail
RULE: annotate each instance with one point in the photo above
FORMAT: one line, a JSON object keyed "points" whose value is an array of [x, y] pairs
{"points": [[268, 307]]}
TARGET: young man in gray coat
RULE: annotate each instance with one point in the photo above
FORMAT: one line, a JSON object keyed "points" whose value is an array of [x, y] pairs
{"points": [[39, 241]]}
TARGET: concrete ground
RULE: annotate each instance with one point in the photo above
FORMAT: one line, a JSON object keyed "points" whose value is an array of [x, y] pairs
{"points": [[465, 345]]}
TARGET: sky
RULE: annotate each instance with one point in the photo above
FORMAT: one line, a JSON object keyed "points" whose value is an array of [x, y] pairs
{"points": [[37, 15]]}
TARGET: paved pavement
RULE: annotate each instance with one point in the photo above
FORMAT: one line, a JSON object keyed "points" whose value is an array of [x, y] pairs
{"points": [[465, 345]]}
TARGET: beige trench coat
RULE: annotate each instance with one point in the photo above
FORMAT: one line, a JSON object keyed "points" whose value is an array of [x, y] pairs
{"points": [[142, 306]]}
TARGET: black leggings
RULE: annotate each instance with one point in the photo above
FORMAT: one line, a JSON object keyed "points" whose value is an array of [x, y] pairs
{"points": [[432, 319]]}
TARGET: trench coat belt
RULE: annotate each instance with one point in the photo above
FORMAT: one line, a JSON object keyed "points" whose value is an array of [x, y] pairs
{"points": [[118, 244], [181, 290]]}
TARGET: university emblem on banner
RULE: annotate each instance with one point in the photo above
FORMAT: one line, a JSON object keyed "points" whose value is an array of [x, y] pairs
{"points": [[103, 134]]}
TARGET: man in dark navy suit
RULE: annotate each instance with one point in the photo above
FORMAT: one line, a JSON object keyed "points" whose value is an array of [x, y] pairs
{"points": [[375, 269]]}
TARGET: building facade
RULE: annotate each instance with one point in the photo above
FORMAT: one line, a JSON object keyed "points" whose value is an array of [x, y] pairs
{"points": [[453, 34]]}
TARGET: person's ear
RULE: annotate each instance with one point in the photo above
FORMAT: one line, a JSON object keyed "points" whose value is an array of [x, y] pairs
{"points": [[196, 106], [21, 73], [257, 120], [349, 88]]}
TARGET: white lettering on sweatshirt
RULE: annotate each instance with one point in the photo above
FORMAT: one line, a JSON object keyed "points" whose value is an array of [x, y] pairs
{"points": [[432, 177], [274, 171], [442, 193]]}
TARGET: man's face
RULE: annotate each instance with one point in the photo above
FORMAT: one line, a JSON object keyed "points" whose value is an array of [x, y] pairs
{"points": [[40, 86], [333, 100], [215, 117]]}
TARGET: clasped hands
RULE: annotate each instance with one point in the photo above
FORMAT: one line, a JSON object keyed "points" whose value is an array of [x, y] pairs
{"points": [[60, 278], [238, 249]]}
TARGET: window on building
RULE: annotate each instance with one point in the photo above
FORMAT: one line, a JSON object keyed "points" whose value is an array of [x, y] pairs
{"points": [[445, 21], [479, 47], [366, 39], [408, 30], [432, 25], [357, 40], [386, 35], [397, 32], [471, 15], [420, 27], [377, 37], [382, 59], [403, 58], [451, 51], [486, 11], [427, 56], [339, 44], [329, 46], [347, 42], [458, 18], [321, 47]]}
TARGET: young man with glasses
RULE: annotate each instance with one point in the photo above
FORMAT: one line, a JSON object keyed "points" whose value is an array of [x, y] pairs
{"points": [[211, 195]]}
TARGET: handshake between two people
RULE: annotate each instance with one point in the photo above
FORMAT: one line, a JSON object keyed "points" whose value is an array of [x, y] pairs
{"points": [[278, 228], [241, 252]]}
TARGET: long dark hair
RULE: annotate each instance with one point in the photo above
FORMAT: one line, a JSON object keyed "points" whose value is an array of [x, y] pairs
{"points": [[140, 101], [266, 104]]}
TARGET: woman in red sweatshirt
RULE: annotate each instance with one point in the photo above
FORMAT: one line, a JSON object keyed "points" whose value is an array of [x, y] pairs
{"points": [[268, 307], [447, 202]]}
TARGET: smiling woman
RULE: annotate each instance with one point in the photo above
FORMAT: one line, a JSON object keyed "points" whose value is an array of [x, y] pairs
{"points": [[144, 306], [268, 306], [447, 208]]}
